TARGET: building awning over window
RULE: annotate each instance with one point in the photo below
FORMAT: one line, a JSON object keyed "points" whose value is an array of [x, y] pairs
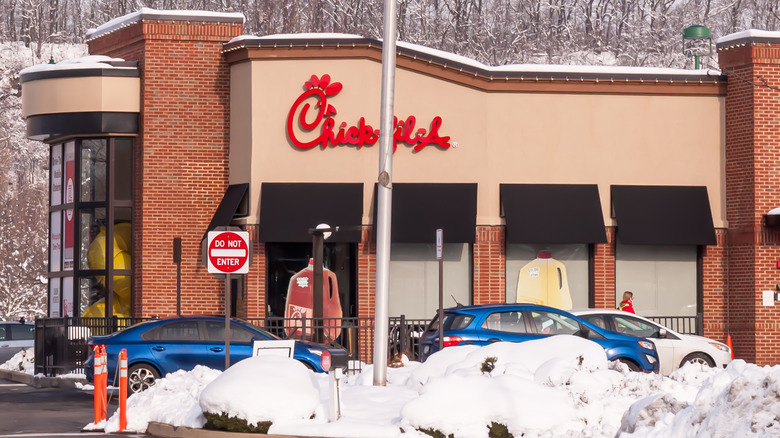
{"points": [[663, 215], [421, 208], [552, 213], [289, 210], [234, 204]]}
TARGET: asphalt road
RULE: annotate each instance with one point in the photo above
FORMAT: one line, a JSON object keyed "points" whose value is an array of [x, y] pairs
{"points": [[26, 411]]}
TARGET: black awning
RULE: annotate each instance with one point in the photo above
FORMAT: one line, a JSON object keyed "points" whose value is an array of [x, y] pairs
{"points": [[552, 213], [663, 215], [421, 208], [234, 204], [289, 210]]}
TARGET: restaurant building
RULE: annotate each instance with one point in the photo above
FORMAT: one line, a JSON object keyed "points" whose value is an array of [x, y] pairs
{"points": [[572, 181]]}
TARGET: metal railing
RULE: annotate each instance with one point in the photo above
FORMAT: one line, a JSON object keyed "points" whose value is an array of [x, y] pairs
{"points": [[61, 343], [687, 325]]}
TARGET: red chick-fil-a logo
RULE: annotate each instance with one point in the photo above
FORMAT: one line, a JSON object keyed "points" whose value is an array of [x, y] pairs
{"points": [[359, 135]]}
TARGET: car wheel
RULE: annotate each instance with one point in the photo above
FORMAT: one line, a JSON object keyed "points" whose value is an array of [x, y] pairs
{"points": [[140, 377], [633, 366], [698, 358]]}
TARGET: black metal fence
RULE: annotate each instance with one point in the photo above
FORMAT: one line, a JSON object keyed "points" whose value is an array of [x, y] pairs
{"points": [[61, 343], [687, 325]]}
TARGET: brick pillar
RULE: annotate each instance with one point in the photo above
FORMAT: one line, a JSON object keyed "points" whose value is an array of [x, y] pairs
{"points": [[752, 189], [181, 154], [490, 265], [714, 277], [366, 268], [604, 272]]}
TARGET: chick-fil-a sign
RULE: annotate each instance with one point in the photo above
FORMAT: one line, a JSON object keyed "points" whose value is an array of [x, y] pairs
{"points": [[322, 125]]}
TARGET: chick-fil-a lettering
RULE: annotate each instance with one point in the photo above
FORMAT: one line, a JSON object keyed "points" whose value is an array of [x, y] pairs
{"points": [[362, 134]]}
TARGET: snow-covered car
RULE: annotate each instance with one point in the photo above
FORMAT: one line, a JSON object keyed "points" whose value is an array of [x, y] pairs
{"points": [[674, 349], [15, 336]]}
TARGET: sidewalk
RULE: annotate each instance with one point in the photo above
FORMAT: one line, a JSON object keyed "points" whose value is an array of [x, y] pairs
{"points": [[42, 381]]}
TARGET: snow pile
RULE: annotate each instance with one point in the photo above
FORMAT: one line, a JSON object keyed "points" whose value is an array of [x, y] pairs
{"points": [[23, 362]]}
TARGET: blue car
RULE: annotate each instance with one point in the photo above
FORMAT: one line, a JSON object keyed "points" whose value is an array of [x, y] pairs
{"points": [[484, 324], [158, 347]]}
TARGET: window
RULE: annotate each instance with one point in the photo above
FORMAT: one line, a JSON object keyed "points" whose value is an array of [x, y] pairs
{"points": [[635, 327], [414, 278], [2, 332], [596, 320], [21, 331], [551, 323], [510, 322], [84, 211], [662, 278], [215, 331], [180, 331], [554, 275]]}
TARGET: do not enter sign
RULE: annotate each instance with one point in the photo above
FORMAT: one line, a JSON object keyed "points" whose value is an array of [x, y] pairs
{"points": [[228, 252]]}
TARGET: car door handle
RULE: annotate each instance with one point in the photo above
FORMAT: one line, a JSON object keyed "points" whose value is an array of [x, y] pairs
{"points": [[491, 340], [158, 348], [216, 349]]}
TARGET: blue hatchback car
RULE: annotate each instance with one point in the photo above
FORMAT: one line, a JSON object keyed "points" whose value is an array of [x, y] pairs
{"points": [[484, 324], [158, 347]]}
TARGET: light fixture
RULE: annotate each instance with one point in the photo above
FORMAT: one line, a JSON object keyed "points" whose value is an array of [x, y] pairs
{"points": [[697, 42]]}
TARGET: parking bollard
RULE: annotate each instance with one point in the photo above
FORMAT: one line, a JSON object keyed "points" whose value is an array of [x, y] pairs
{"points": [[122, 390]]}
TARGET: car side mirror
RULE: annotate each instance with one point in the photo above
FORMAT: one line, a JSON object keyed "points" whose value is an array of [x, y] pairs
{"points": [[662, 333], [584, 333]]}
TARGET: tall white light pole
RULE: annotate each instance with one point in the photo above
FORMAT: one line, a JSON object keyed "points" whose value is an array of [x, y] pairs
{"points": [[384, 197]]}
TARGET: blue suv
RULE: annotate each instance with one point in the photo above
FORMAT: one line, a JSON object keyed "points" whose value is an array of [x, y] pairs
{"points": [[158, 347], [487, 323]]}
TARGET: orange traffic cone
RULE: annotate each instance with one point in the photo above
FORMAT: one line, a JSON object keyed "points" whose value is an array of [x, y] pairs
{"points": [[728, 344]]}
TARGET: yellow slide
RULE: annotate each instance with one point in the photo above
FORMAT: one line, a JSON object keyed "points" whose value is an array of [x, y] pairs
{"points": [[96, 257]]}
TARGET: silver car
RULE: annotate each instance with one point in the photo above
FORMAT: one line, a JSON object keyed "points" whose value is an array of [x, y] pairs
{"points": [[15, 336]]}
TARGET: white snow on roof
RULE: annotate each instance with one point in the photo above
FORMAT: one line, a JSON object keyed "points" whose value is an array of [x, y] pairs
{"points": [[85, 62], [750, 33], [535, 68], [124, 20]]}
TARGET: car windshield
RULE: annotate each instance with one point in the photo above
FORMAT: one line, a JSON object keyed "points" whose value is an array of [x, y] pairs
{"points": [[634, 327]]}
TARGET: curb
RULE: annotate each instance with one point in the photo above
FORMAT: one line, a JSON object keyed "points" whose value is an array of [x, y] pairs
{"points": [[41, 381], [162, 430]]}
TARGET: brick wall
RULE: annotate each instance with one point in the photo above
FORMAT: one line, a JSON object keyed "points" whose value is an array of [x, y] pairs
{"points": [[604, 272], [182, 149], [489, 265], [752, 189], [366, 267]]}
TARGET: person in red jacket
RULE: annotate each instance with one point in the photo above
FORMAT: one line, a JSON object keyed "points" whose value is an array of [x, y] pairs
{"points": [[626, 305]]}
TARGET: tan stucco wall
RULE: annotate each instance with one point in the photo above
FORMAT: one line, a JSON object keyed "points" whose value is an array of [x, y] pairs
{"points": [[81, 94], [510, 137]]}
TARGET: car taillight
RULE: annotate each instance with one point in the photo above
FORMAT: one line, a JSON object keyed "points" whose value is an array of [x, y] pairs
{"points": [[451, 341]]}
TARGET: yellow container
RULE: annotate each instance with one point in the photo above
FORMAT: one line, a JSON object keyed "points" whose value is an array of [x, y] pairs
{"points": [[543, 281]]}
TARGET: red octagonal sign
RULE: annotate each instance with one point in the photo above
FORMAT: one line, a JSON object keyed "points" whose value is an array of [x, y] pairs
{"points": [[228, 252]]}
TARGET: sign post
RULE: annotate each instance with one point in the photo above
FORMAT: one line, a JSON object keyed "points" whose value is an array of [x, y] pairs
{"points": [[228, 252], [439, 248]]}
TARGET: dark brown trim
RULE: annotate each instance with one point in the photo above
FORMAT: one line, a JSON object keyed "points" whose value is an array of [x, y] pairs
{"points": [[47, 126]]}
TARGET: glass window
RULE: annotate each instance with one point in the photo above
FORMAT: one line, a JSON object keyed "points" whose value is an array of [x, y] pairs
{"points": [[2, 332], [215, 331], [634, 327], [414, 278], [597, 320], [179, 331], [510, 322], [93, 170], [662, 278], [21, 331], [123, 169], [287, 259], [92, 247], [55, 241], [554, 275], [551, 323]]}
